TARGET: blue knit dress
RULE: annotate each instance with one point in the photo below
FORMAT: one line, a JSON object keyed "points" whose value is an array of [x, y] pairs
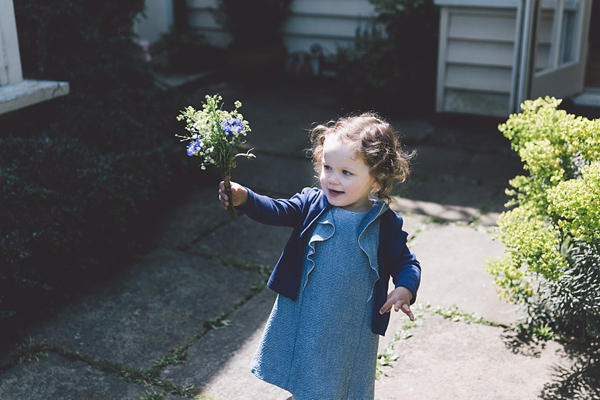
{"points": [[321, 347]]}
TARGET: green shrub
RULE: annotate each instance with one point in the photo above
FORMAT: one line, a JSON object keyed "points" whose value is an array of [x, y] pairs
{"points": [[393, 70], [552, 235]]}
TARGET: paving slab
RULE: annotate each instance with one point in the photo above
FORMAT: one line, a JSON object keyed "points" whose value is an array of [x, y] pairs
{"points": [[457, 178], [472, 134], [219, 363], [155, 306], [455, 360], [453, 260], [456, 194], [412, 130], [55, 377], [281, 122], [198, 213], [448, 212], [434, 162], [245, 240]]}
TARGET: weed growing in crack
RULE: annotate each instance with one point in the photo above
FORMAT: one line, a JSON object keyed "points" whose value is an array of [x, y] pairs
{"points": [[31, 350], [174, 357], [153, 395], [385, 359], [457, 315], [217, 323], [187, 391]]}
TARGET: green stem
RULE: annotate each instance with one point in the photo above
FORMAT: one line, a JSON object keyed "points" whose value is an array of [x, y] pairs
{"points": [[230, 207]]}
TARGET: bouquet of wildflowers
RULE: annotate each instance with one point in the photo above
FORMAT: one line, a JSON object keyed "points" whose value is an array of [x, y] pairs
{"points": [[215, 135]]}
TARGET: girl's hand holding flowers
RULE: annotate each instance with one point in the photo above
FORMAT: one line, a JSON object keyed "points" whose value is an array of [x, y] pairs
{"points": [[214, 135], [239, 194]]}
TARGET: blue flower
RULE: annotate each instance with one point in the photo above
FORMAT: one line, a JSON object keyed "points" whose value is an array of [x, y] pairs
{"points": [[232, 126], [194, 147]]}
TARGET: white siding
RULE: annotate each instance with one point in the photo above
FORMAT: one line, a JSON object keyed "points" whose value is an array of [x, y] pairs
{"points": [[478, 78], [482, 25], [331, 23], [158, 19], [473, 53], [16, 92], [10, 59], [476, 60]]}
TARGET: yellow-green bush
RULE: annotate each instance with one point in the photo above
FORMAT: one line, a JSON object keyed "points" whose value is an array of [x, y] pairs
{"points": [[578, 201], [552, 232]]}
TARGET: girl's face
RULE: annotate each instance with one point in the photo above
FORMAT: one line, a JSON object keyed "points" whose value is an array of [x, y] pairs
{"points": [[345, 178]]}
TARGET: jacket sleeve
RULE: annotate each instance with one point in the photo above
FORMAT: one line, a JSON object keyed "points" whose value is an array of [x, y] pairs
{"points": [[405, 269], [279, 212], [407, 272]]}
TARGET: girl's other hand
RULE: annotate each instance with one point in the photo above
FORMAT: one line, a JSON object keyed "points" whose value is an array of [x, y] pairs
{"points": [[238, 192], [399, 298]]}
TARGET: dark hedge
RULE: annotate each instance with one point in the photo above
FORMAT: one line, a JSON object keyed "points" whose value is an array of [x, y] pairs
{"points": [[81, 175]]}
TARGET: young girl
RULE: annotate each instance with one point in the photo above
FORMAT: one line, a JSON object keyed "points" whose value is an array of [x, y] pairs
{"points": [[321, 339]]}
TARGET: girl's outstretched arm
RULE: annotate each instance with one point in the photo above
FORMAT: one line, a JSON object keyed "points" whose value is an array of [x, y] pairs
{"points": [[238, 192], [399, 298], [280, 212]]}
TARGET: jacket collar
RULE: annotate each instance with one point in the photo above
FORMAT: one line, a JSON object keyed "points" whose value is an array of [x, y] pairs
{"points": [[316, 209], [321, 205]]}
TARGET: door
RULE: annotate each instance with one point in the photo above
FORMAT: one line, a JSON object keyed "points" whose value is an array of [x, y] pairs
{"points": [[554, 48]]}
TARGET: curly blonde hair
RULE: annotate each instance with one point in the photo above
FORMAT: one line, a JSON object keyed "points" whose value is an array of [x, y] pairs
{"points": [[375, 141]]}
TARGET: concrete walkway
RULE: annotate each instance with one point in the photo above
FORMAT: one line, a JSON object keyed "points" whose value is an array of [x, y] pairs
{"points": [[187, 317]]}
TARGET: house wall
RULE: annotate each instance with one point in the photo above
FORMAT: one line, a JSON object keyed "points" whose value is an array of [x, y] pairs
{"points": [[16, 92], [477, 59], [10, 60], [330, 23], [479, 63]]}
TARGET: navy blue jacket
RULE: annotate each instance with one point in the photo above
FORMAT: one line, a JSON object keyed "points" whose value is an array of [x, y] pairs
{"points": [[301, 212]]}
